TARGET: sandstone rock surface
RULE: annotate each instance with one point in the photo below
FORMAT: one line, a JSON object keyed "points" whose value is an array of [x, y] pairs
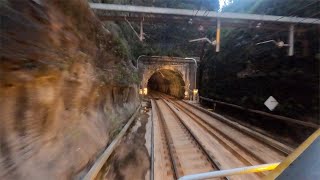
{"points": [[66, 87]]}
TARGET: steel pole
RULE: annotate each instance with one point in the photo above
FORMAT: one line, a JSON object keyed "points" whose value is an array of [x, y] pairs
{"points": [[141, 31], [195, 70], [138, 60], [143, 55], [137, 66], [218, 35], [291, 40]]}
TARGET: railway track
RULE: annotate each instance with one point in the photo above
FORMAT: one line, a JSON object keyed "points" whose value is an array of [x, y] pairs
{"points": [[225, 147], [186, 153]]}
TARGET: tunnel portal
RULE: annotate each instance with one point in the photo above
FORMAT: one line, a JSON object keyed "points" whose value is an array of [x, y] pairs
{"points": [[172, 75], [167, 81]]}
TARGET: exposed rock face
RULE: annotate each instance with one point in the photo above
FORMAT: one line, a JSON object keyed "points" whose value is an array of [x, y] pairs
{"points": [[66, 87]]}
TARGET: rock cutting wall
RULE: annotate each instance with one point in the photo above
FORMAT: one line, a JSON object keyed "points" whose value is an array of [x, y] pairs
{"points": [[66, 88]]}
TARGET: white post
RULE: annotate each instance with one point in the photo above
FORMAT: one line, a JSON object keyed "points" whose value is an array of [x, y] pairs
{"points": [[218, 35], [141, 31], [291, 40]]}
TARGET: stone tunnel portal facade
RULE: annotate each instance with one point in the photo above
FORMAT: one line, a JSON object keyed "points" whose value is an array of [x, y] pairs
{"points": [[149, 67]]}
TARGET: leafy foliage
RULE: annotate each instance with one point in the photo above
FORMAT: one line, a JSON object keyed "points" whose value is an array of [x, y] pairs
{"points": [[246, 74]]}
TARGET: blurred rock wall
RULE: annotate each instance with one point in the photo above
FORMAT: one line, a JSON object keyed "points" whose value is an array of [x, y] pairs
{"points": [[66, 88]]}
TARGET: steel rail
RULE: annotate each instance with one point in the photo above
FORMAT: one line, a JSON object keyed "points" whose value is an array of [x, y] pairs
{"points": [[195, 70], [152, 146], [258, 138], [214, 163], [197, 119], [168, 140], [228, 147], [284, 150]]}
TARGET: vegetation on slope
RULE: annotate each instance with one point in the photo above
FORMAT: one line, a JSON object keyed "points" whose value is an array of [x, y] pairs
{"points": [[246, 74], [168, 39], [242, 73]]}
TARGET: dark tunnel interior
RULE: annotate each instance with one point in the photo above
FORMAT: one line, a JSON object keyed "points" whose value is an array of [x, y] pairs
{"points": [[167, 81]]}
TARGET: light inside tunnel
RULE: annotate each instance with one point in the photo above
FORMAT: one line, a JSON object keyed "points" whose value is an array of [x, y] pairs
{"points": [[195, 91], [167, 81], [145, 91], [195, 95]]}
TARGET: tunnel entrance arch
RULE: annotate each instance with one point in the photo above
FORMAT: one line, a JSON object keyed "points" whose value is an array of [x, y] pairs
{"points": [[148, 65], [167, 81]]}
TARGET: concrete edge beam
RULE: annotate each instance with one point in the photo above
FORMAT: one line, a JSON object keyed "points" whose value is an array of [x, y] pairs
{"points": [[202, 13]]}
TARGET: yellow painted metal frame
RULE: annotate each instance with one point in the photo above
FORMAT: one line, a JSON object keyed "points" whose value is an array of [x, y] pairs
{"points": [[284, 164]]}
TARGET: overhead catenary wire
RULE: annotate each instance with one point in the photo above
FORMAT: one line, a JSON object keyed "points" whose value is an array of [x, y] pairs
{"points": [[297, 10], [291, 14]]}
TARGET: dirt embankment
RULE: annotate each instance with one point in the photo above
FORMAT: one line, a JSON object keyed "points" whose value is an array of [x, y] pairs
{"points": [[131, 159], [66, 87]]}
